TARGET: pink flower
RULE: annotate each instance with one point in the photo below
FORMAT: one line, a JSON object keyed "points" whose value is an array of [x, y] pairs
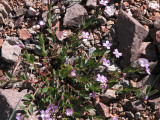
{"points": [[69, 112], [117, 54], [107, 44], [106, 62], [73, 73], [101, 78], [85, 35], [41, 23]]}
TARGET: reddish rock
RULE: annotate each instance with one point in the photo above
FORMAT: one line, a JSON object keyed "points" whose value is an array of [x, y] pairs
{"points": [[148, 50], [130, 36], [102, 110], [61, 33], [1, 41], [24, 34]]}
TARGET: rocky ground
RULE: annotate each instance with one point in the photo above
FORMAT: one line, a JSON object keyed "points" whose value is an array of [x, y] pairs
{"points": [[132, 26]]}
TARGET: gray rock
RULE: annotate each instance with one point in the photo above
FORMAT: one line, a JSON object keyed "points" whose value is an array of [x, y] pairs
{"points": [[28, 4], [102, 20], [70, 60], [7, 6], [90, 51], [109, 11], [3, 11], [30, 46], [155, 102], [13, 40], [2, 20], [10, 53], [130, 36], [137, 115], [112, 68], [108, 96], [74, 16], [32, 11], [91, 3], [20, 11]]}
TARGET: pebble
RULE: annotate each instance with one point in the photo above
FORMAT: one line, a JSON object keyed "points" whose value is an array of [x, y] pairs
{"points": [[32, 11]]}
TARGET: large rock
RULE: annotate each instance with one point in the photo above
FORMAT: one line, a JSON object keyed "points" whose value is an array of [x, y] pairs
{"points": [[10, 53], [130, 36], [74, 16]]}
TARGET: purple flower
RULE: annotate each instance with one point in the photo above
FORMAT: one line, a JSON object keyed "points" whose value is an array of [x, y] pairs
{"points": [[20, 45], [55, 109], [69, 112], [85, 35], [114, 118], [106, 62], [41, 23], [101, 78], [18, 117], [117, 54], [94, 95], [148, 70], [45, 114], [124, 74], [104, 2], [144, 62], [104, 86], [107, 44], [146, 98], [73, 73]]}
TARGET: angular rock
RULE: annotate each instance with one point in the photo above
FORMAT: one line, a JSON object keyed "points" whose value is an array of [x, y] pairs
{"points": [[135, 105], [32, 11], [148, 51], [130, 36], [10, 53], [102, 110], [20, 12], [109, 11], [7, 6], [155, 102], [19, 21], [61, 33], [74, 16], [3, 11], [90, 51], [91, 3], [13, 40], [24, 34], [108, 96]]}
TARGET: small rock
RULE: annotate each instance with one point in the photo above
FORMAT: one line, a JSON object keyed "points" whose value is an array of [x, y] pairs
{"points": [[38, 64], [32, 11], [109, 11], [112, 68], [56, 10], [157, 24], [10, 53], [1, 41], [153, 6], [30, 46], [3, 11], [125, 5], [74, 16], [108, 96], [28, 4], [13, 40], [19, 21], [90, 51], [102, 110], [91, 3], [24, 34], [86, 42], [137, 115], [129, 114], [102, 20]]}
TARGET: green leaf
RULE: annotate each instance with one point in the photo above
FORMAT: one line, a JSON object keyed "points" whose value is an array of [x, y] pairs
{"points": [[44, 90], [31, 109], [38, 47], [25, 76], [138, 93], [10, 118], [28, 96], [148, 89], [153, 92]]}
